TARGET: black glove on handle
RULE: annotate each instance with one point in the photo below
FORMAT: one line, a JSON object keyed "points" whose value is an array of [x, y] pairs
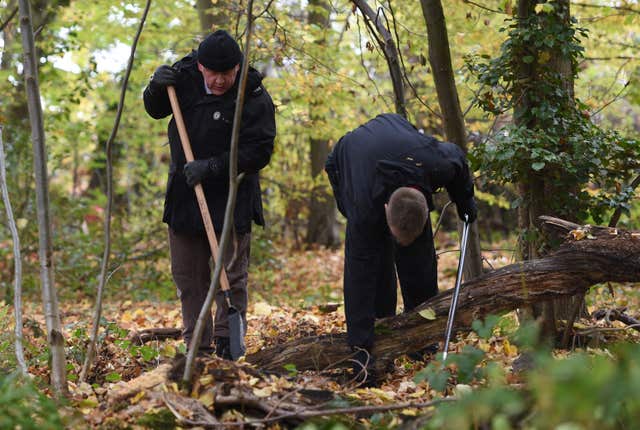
{"points": [[196, 170], [162, 77], [467, 208]]}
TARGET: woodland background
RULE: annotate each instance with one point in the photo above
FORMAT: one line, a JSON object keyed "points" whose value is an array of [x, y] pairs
{"points": [[552, 116]]}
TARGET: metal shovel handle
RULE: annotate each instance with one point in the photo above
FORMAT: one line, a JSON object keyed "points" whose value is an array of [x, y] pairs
{"points": [[456, 291]]}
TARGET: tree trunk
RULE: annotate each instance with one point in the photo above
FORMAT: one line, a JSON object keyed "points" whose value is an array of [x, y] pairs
{"points": [[538, 185], [49, 294], [613, 255], [322, 227], [440, 60], [211, 15]]}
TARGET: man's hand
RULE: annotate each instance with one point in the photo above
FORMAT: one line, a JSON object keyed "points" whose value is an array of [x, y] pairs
{"points": [[472, 213], [467, 208], [162, 77], [197, 170]]}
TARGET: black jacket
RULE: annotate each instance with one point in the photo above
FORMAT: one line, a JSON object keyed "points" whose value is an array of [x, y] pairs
{"points": [[370, 162], [209, 120]]}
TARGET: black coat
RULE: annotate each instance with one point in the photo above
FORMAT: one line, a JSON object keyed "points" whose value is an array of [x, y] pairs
{"points": [[209, 120], [370, 162]]}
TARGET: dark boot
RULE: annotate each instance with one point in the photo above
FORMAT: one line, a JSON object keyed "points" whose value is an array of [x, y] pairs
{"points": [[223, 347]]}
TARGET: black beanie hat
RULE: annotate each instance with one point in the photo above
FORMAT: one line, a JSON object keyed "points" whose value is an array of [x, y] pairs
{"points": [[219, 52]]}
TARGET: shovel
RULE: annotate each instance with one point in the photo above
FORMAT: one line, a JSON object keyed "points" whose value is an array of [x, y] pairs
{"points": [[456, 291], [236, 325]]}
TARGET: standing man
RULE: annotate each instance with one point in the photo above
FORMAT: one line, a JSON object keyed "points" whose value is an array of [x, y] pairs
{"points": [[383, 175], [206, 83]]}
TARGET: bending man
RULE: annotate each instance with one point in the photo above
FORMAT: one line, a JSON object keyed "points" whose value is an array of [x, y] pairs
{"points": [[383, 176]]}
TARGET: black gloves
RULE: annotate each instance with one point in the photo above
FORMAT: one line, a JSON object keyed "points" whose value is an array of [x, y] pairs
{"points": [[162, 77], [196, 170], [467, 208]]}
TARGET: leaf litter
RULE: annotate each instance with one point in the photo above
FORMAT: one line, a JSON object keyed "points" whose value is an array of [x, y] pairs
{"points": [[131, 384]]}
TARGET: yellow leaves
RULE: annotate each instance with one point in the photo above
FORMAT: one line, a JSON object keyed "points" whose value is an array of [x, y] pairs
{"points": [[206, 379], [383, 395], [168, 350], [544, 8], [509, 349], [418, 394], [262, 309], [544, 57], [135, 399], [578, 234], [581, 233], [428, 314], [263, 392], [207, 398]]}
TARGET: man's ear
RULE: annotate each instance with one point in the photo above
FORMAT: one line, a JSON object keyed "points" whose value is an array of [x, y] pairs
{"points": [[200, 67]]}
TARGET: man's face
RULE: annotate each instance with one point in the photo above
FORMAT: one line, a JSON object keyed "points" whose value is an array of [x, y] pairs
{"points": [[219, 82]]}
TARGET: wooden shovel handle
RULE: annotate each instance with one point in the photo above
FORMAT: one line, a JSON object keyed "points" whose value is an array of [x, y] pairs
{"points": [[202, 202]]}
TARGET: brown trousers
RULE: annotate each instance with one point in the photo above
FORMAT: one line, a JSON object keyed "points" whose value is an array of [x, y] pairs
{"points": [[191, 269]]}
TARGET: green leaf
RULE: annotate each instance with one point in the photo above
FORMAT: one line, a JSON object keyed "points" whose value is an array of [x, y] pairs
{"points": [[428, 314], [528, 59], [113, 377], [484, 329], [291, 368], [539, 165]]}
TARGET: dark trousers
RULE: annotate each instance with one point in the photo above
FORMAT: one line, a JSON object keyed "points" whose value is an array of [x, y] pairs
{"points": [[191, 269], [372, 259]]}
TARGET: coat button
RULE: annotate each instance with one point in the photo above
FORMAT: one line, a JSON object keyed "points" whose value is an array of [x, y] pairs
{"points": [[216, 115]]}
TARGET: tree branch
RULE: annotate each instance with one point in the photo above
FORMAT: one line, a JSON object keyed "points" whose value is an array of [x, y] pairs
{"points": [[107, 216]]}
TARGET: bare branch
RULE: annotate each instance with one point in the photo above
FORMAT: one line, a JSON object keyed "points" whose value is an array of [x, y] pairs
{"points": [[388, 46], [107, 217], [607, 6], [9, 18], [483, 7], [17, 263]]}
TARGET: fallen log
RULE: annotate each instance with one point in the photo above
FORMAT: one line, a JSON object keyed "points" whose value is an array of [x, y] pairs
{"points": [[589, 255]]}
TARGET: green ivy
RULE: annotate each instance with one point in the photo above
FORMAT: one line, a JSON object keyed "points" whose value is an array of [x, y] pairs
{"points": [[554, 139]]}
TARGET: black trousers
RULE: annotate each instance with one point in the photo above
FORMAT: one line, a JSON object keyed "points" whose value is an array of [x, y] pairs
{"points": [[372, 259]]}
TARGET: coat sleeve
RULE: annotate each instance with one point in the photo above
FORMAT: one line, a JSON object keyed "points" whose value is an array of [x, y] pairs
{"points": [[460, 188], [156, 103], [257, 134]]}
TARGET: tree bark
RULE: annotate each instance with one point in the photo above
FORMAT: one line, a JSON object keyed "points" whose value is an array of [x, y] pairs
{"points": [[322, 227], [612, 255], [539, 185], [440, 60], [49, 294], [212, 16]]}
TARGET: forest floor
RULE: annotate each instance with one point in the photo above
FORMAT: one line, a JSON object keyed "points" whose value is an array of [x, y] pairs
{"points": [[288, 298]]}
